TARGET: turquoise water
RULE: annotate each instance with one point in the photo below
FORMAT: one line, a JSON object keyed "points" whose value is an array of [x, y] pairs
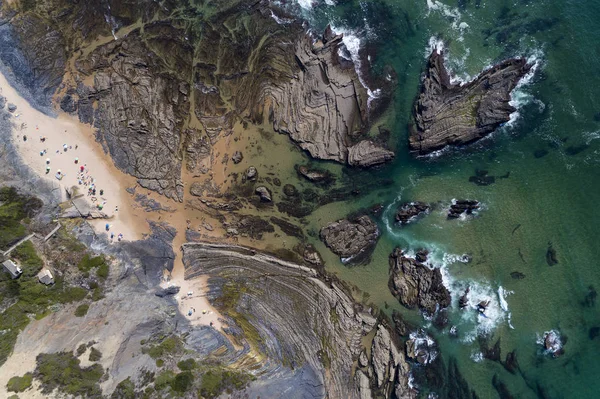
{"points": [[545, 199]]}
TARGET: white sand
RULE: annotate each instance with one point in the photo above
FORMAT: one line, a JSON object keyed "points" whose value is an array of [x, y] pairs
{"points": [[81, 144]]}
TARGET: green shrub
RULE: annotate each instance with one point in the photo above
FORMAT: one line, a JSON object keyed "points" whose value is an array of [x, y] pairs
{"points": [[19, 384], [97, 294], [164, 379], [125, 390], [169, 345], [102, 271], [217, 380], [62, 370], [95, 355], [14, 209], [81, 349], [160, 362], [182, 381], [82, 310], [30, 262], [187, 364], [72, 294]]}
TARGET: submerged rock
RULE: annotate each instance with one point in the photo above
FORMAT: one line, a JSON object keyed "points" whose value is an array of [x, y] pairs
{"points": [[517, 275], [416, 285], [237, 157], [460, 207], [455, 114], [551, 255], [350, 238], [409, 211], [463, 301]]}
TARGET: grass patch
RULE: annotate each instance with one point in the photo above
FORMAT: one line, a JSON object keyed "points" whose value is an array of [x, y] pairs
{"points": [[62, 370], [19, 384], [89, 262], [160, 362], [82, 310], [102, 271]]}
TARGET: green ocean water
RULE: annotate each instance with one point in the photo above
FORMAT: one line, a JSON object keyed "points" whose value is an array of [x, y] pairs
{"points": [[551, 153]]}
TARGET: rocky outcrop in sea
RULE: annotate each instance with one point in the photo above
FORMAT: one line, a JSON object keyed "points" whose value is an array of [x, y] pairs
{"points": [[351, 238], [416, 285], [446, 113]]}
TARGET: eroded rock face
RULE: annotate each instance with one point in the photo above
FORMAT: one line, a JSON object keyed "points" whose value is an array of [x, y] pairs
{"points": [[350, 238], [416, 285], [366, 153], [454, 114], [292, 308]]}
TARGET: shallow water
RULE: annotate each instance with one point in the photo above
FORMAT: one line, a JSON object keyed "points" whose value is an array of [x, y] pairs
{"points": [[545, 199]]}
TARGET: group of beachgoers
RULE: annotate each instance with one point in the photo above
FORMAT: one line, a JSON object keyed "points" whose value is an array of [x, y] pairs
{"points": [[84, 178]]}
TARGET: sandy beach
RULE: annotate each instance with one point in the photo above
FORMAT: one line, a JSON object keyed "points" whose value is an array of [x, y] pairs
{"points": [[64, 152], [40, 141]]}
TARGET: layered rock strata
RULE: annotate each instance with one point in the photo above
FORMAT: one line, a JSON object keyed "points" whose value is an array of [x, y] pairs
{"points": [[454, 114], [300, 318], [416, 285]]}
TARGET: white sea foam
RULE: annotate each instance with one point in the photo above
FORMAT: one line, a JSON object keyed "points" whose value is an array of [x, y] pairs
{"points": [[519, 97], [451, 13], [353, 43], [279, 20], [423, 341], [306, 4], [477, 357]]}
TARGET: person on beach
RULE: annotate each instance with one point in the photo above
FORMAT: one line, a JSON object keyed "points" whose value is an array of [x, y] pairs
{"points": [[47, 169], [112, 236], [101, 192], [107, 227]]}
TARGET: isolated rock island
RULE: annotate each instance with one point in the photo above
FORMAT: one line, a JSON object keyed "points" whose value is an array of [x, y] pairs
{"points": [[446, 113]]}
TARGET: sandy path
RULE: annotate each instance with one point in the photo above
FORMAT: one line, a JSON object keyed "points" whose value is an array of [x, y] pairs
{"points": [[81, 145]]}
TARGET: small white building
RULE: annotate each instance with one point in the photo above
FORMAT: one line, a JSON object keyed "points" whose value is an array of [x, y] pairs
{"points": [[14, 270], [45, 277]]}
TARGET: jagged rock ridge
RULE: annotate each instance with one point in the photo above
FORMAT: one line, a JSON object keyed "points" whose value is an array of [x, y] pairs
{"points": [[455, 114]]}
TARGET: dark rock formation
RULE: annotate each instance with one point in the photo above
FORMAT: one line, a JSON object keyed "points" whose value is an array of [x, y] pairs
{"points": [[414, 284], [12, 107], [251, 173], [288, 228], [294, 316], [290, 190], [401, 326], [455, 114], [421, 348], [553, 343], [409, 211], [264, 194], [517, 275], [2, 102], [350, 238], [366, 154], [237, 157], [511, 364], [593, 332], [460, 207], [68, 103], [463, 301], [551, 255], [162, 292]]}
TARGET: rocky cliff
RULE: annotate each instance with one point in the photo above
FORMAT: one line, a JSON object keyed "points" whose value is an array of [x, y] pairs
{"points": [[163, 83], [300, 319], [454, 114]]}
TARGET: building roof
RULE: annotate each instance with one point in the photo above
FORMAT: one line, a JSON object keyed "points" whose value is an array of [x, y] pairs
{"points": [[12, 268], [45, 277]]}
